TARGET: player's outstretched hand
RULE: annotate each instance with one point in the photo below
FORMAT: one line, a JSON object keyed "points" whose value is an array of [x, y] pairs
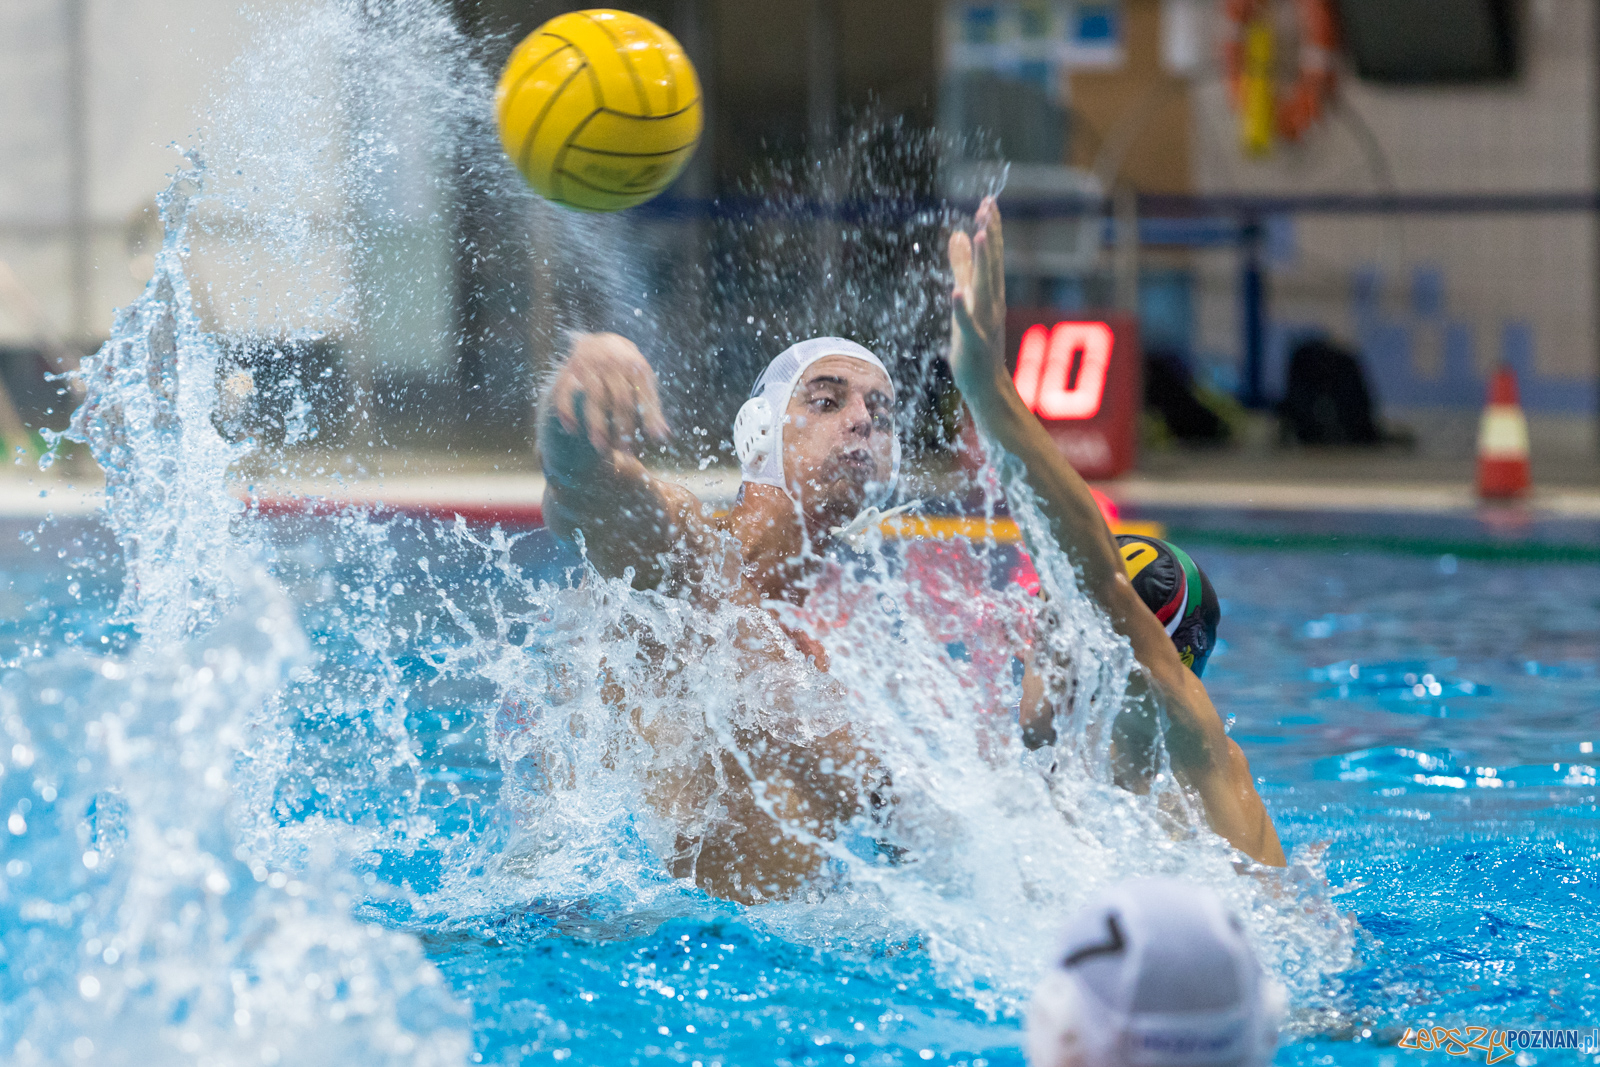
{"points": [[978, 314], [618, 387]]}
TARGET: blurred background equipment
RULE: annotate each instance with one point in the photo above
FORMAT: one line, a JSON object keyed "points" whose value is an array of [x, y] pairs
{"points": [[1432, 42], [1504, 472], [599, 109], [1082, 379], [1171, 395], [1326, 400], [281, 391], [1251, 57], [1438, 216], [14, 434]]}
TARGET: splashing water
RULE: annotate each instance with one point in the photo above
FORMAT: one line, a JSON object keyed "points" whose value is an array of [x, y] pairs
{"points": [[140, 923], [992, 856], [146, 417], [248, 821], [156, 906]]}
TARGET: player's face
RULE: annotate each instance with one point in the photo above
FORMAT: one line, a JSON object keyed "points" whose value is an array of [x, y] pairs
{"points": [[838, 443]]}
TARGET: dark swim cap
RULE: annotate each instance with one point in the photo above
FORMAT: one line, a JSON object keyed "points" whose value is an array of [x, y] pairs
{"points": [[1174, 587]]}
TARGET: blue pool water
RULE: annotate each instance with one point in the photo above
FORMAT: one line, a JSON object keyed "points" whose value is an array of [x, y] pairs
{"points": [[336, 791], [1428, 721]]}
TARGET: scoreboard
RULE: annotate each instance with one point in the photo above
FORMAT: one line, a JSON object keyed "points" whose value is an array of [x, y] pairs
{"points": [[1083, 377]]}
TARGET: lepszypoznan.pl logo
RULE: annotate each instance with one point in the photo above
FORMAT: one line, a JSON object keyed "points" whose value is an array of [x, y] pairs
{"points": [[1497, 1044]]}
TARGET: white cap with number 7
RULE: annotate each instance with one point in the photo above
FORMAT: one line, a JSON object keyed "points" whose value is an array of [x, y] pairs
{"points": [[1156, 973]]}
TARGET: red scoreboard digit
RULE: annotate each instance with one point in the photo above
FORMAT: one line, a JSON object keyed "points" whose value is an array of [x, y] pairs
{"points": [[1083, 377]]}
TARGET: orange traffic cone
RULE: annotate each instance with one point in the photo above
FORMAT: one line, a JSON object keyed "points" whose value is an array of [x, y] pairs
{"points": [[1503, 441]]}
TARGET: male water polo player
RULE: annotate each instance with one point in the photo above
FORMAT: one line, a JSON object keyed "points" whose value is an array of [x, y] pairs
{"points": [[1174, 588], [1166, 699], [1155, 973], [818, 447]]}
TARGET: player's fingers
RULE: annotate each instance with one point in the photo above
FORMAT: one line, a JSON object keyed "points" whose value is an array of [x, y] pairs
{"points": [[980, 269], [597, 412], [620, 348], [566, 412], [654, 422], [962, 323], [961, 260], [995, 239], [624, 412], [961, 315], [643, 400], [988, 272]]}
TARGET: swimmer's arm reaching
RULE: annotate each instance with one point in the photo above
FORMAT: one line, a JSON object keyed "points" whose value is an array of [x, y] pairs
{"points": [[1202, 754], [598, 411]]}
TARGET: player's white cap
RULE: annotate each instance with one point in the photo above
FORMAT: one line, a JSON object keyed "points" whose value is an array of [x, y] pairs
{"points": [[1156, 973], [758, 429]]}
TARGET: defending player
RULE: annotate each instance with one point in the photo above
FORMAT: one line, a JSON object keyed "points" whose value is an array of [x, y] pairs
{"points": [[1166, 697]]}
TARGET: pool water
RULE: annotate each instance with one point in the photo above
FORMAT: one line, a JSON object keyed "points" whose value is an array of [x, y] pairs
{"points": [[1424, 724], [1432, 719], [349, 792]]}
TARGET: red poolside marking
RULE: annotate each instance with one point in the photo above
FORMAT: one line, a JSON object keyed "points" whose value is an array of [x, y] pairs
{"points": [[528, 514], [271, 507]]}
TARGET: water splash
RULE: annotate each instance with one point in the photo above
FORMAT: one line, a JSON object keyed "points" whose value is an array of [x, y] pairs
{"points": [[624, 694], [260, 768], [149, 394], [138, 923], [160, 902]]}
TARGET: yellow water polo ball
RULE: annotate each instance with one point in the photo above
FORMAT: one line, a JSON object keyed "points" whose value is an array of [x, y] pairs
{"points": [[599, 109]]}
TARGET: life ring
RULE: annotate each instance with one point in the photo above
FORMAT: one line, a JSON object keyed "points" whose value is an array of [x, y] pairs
{"points": [[1247, 63]]}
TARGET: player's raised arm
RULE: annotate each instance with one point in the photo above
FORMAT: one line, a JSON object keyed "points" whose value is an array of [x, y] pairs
{"points": [[1202, 754], [601, 407]]}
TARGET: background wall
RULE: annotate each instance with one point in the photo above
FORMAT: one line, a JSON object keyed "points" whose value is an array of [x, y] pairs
{"points": [[145, 68], [1136, 118], [1432, 301]]}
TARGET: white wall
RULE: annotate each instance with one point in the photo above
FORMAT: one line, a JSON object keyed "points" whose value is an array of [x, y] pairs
{"points": [[1535, 134], [149, 64], [277, 246]]}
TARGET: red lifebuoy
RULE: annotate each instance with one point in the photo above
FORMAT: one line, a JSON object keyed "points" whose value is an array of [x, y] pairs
{"points": [[1298, 106]]}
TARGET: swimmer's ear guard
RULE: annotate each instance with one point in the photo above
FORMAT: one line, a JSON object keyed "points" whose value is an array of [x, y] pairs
{"points": [[754, 433], [1173, 586]]}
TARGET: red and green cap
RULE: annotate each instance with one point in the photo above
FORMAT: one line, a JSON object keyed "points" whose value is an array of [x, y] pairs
{"points": [[1174, 587]]}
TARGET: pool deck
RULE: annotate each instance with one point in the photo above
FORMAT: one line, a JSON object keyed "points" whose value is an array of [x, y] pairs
{"points": [[1352, 499], [24, 493], [1403, 498]]}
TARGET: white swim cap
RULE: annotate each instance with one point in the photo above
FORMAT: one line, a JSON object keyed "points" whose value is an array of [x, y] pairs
{"points": [[758, 429], [1156, 973]]}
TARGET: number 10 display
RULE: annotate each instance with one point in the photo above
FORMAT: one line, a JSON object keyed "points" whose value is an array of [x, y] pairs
{"points": [[1084, 380]]}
